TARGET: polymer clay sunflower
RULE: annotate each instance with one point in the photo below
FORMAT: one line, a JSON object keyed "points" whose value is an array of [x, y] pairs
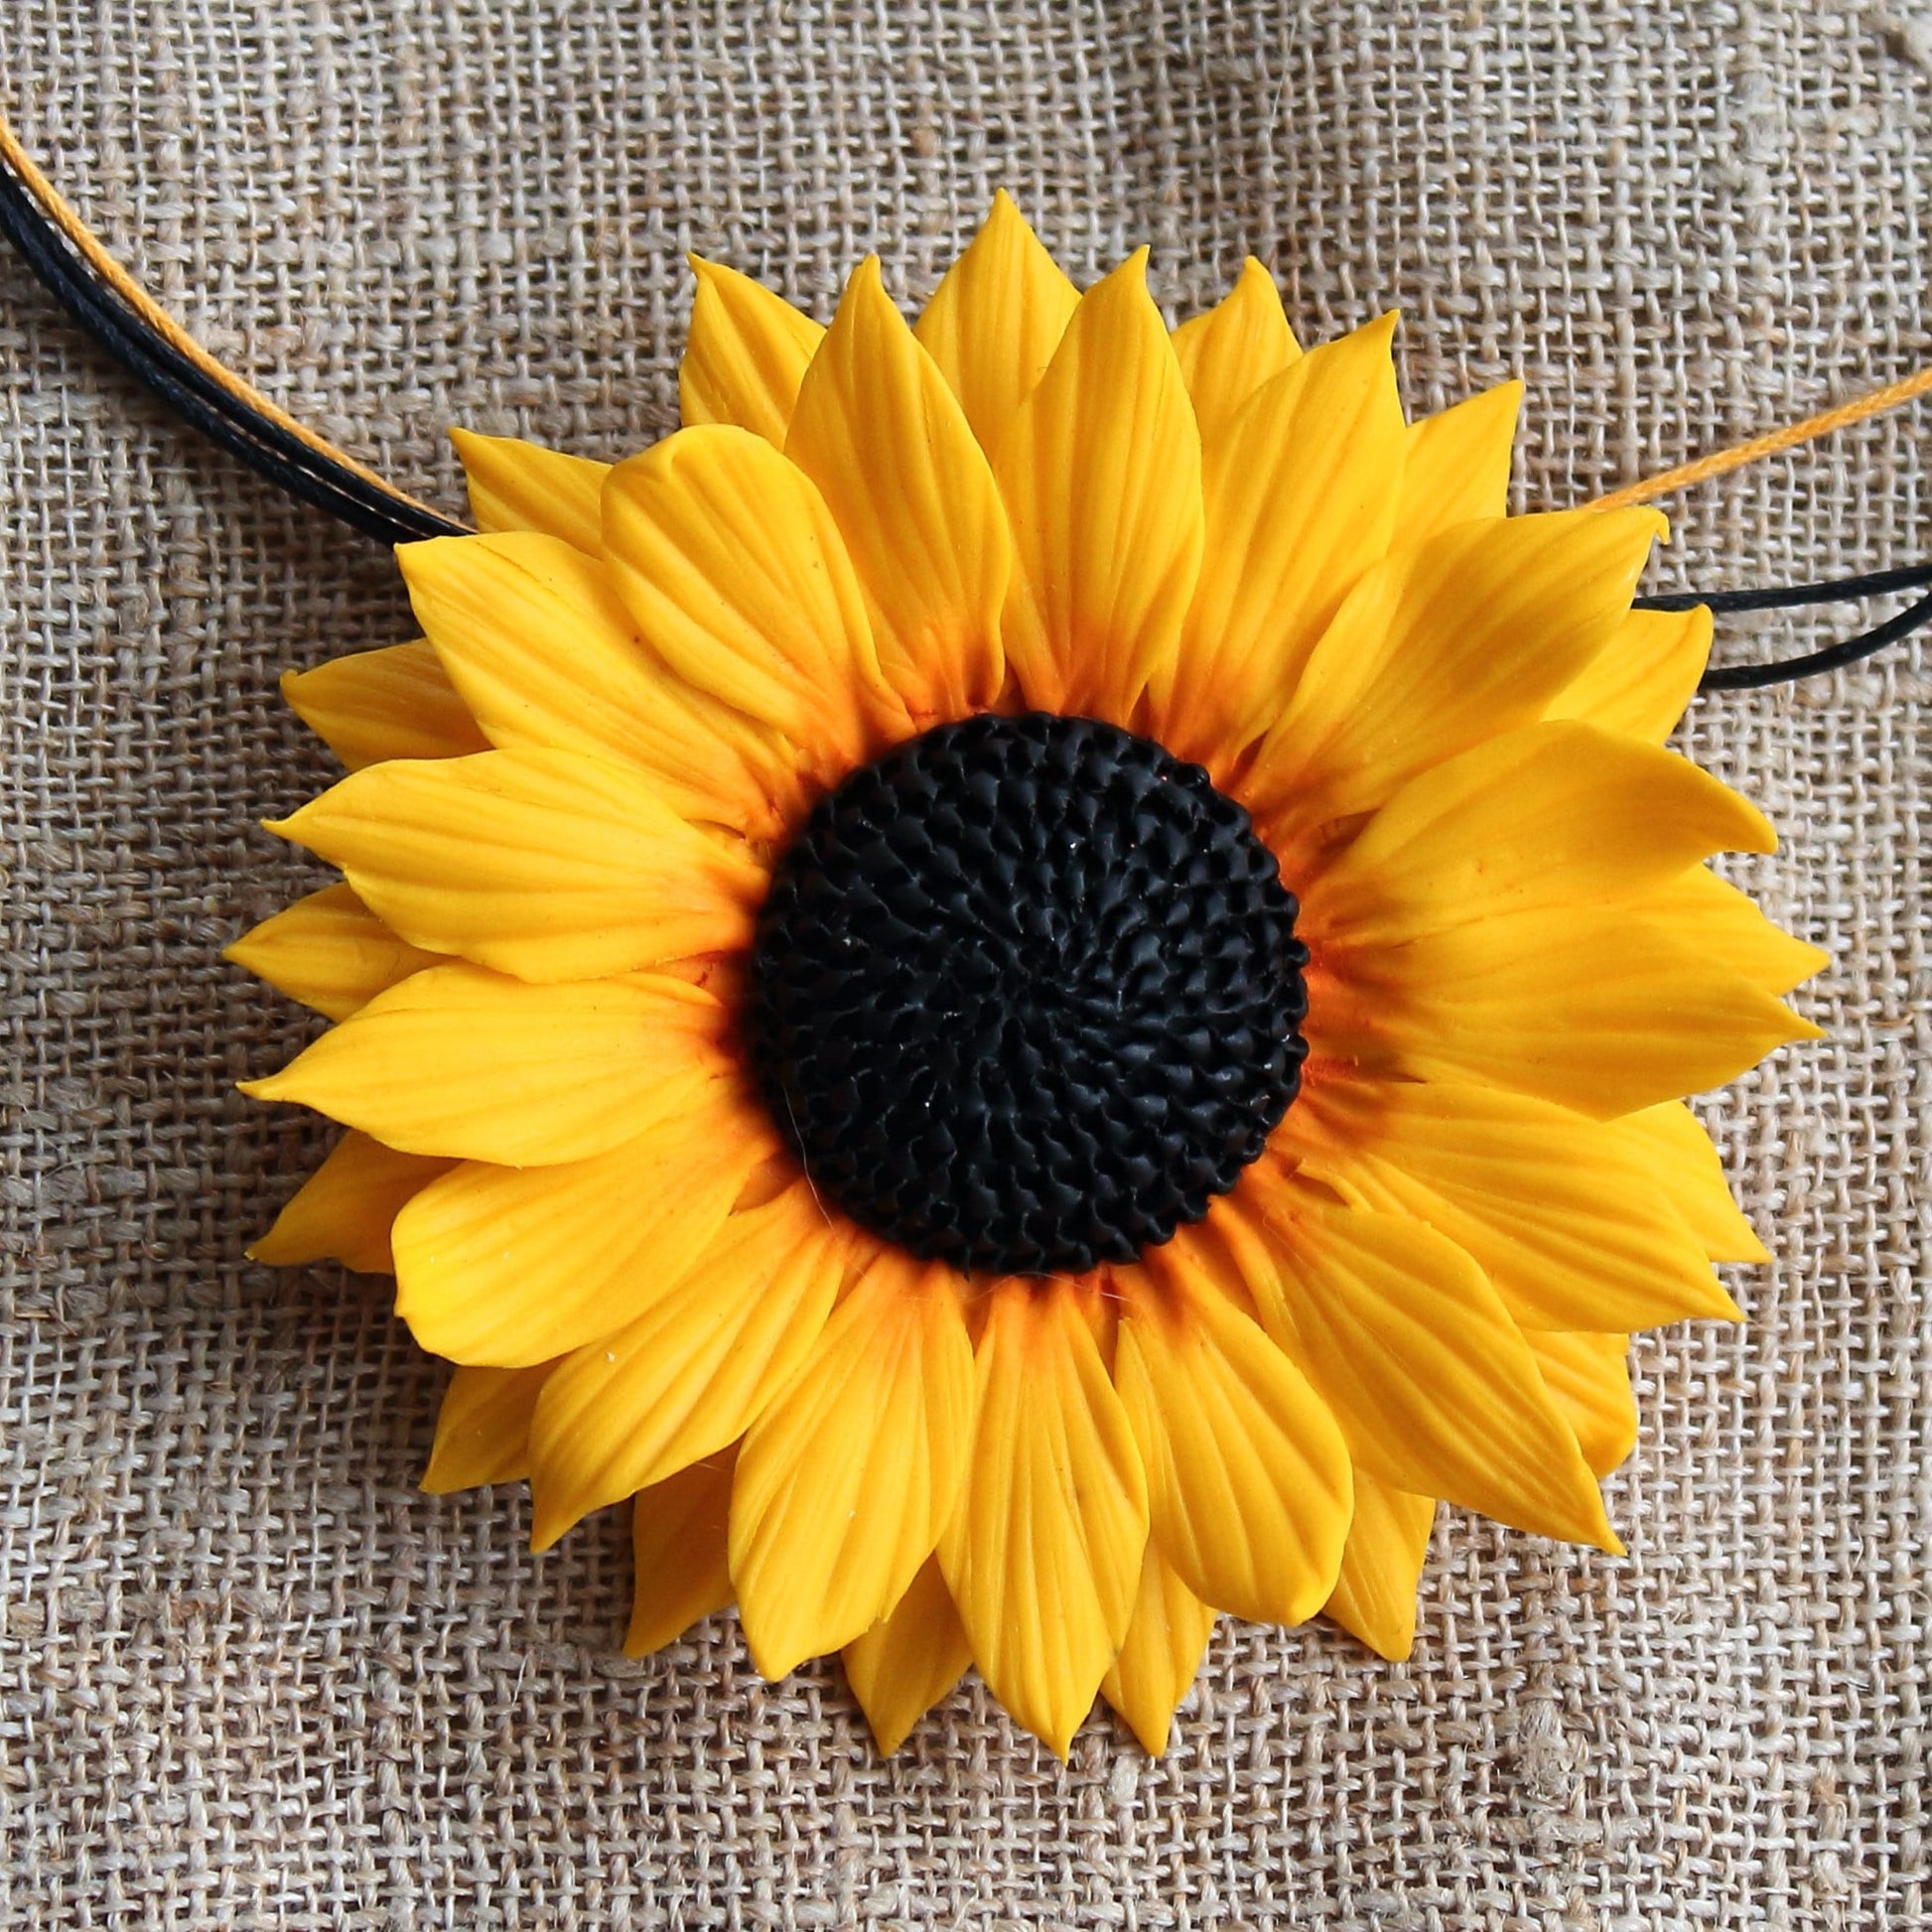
{"points": [[1035, 981]]}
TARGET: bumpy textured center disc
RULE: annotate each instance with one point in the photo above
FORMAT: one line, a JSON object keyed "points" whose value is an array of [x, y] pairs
{"points": [[1027, 995]]}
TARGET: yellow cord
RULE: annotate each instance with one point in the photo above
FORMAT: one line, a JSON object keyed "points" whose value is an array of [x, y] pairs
{"points": [[165, 325], [1721, 461]]}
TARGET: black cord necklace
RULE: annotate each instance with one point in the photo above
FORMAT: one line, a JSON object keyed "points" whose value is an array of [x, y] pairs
{"points": [[64, 254]]}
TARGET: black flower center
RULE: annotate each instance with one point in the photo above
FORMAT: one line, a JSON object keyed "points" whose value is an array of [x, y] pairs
{"points": [[1026, 995]]}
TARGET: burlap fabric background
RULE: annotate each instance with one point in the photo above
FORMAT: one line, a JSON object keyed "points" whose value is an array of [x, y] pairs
{"points": [[249, 1676]]}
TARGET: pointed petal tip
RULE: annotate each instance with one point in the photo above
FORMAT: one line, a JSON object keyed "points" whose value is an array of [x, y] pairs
{"points": [[1392, 1653], [549, 1524], [888, 1739], [1154, 1742]]}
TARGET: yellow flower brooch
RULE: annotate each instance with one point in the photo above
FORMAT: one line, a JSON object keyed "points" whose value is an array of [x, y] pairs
{"points": [[1035, 981]]}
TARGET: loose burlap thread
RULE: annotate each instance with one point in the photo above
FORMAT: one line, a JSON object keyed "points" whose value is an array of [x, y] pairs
{"points": [[249, 1676]]}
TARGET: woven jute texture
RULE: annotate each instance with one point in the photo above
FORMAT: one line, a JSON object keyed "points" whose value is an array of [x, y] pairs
{"points": [[248, 1675]]}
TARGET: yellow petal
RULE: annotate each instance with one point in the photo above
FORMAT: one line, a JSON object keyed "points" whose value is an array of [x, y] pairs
{"points": [[1247, 1473], [330, 951], [539, 645], [1102, 480], [845, 1479], [1043, 1553], [1226, 355], [466, 1063], [1442, 646], [518, 485], [691, 1372], [1433, 1384], [879, 433], [905, 1664], [507, 1267], [541, 864], [1643, 678], [482, 1430], [1561, 1214], [733, 570], [1456, 468], [1723, 925], [1300, 498], [344, 1210], [677, 1542], [1375, 1595], [1552, 815], [395, 703], [1165, 1639], [1604, 1012], [1685, 1167], [995, 321], [1588, 1379], [745, 354]]}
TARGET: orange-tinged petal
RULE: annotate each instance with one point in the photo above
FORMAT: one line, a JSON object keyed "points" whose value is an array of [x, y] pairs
{"points": [[1457, 468], [1723, 925], [534, 636], [1588, 1379], [482, 1430], [1601, 1011], [1102, 481], [1643, 678], [1043, 1553], [545, 864], [344, 1210], [845, 1480], [677, 1542], [394, 703], [1561, 1214], [1685, 1167], [1165, 1640], [995, 321], [1432, 1382], [1247, 1473], [905, 1662], [507, 1267], [519, 485], [1548, 816], [880, 434], [745, 354], [693, 1371], [733, 567], [466, 1063], [330, 951], [1300, 498], [1440, 647], [1375, 1594], [1226, 355]]}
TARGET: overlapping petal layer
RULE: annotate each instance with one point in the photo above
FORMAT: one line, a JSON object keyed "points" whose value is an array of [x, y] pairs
{"points": [[564, 806]]}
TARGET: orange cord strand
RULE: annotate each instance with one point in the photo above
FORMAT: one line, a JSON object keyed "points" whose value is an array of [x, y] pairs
{"points": [[1720, 461], [164, 325]]}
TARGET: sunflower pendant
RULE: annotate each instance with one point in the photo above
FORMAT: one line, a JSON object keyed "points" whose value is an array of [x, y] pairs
{"points": [[1034, 982]]}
